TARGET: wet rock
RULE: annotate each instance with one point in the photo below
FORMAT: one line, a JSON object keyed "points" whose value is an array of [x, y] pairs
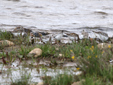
{"points": [[44, 33], [102, 33], [6, 43], [35, 52], [98, 36], [104, 45]]}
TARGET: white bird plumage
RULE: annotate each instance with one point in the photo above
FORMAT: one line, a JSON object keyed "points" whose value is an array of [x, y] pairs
{"points": [[59, 36]]}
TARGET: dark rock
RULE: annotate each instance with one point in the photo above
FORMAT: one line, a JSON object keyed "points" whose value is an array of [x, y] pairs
{"points": [[44, 33]]}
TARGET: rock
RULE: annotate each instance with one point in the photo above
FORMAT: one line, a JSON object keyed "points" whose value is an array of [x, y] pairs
{"points": [[40, 83], [44, 33], [102, 33], [104, 45], [99, 36], [60, 55], [78, 82], [35, 52], [78, 73], [6, 43]]}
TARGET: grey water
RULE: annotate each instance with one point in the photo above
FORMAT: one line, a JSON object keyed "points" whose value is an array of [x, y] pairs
{"points": [[68, 15]]}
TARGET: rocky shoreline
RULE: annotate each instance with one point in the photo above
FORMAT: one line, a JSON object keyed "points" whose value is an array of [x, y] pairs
{"points": [[51, 49], [68, 37]]}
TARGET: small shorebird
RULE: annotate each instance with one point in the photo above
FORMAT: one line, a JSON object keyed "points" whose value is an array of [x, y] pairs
{"points": [[31, 38], [85, 34], [74, 37], [21, 28], [58, 37], [34, 35]]}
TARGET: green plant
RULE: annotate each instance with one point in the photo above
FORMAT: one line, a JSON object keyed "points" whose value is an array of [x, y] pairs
{"points": [[48, 50], [6, 35], [92, 80], [24, 51], [60, 79]]}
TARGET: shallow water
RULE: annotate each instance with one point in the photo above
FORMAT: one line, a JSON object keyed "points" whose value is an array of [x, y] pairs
{"points": [[56, 14], [14, 72]]}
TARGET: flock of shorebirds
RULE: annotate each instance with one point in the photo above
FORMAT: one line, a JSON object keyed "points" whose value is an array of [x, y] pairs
{"points": [[58, 37]]}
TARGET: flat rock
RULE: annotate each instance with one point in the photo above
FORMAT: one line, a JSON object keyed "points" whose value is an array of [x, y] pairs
{"points": [[35, 52], [6, 43]]}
